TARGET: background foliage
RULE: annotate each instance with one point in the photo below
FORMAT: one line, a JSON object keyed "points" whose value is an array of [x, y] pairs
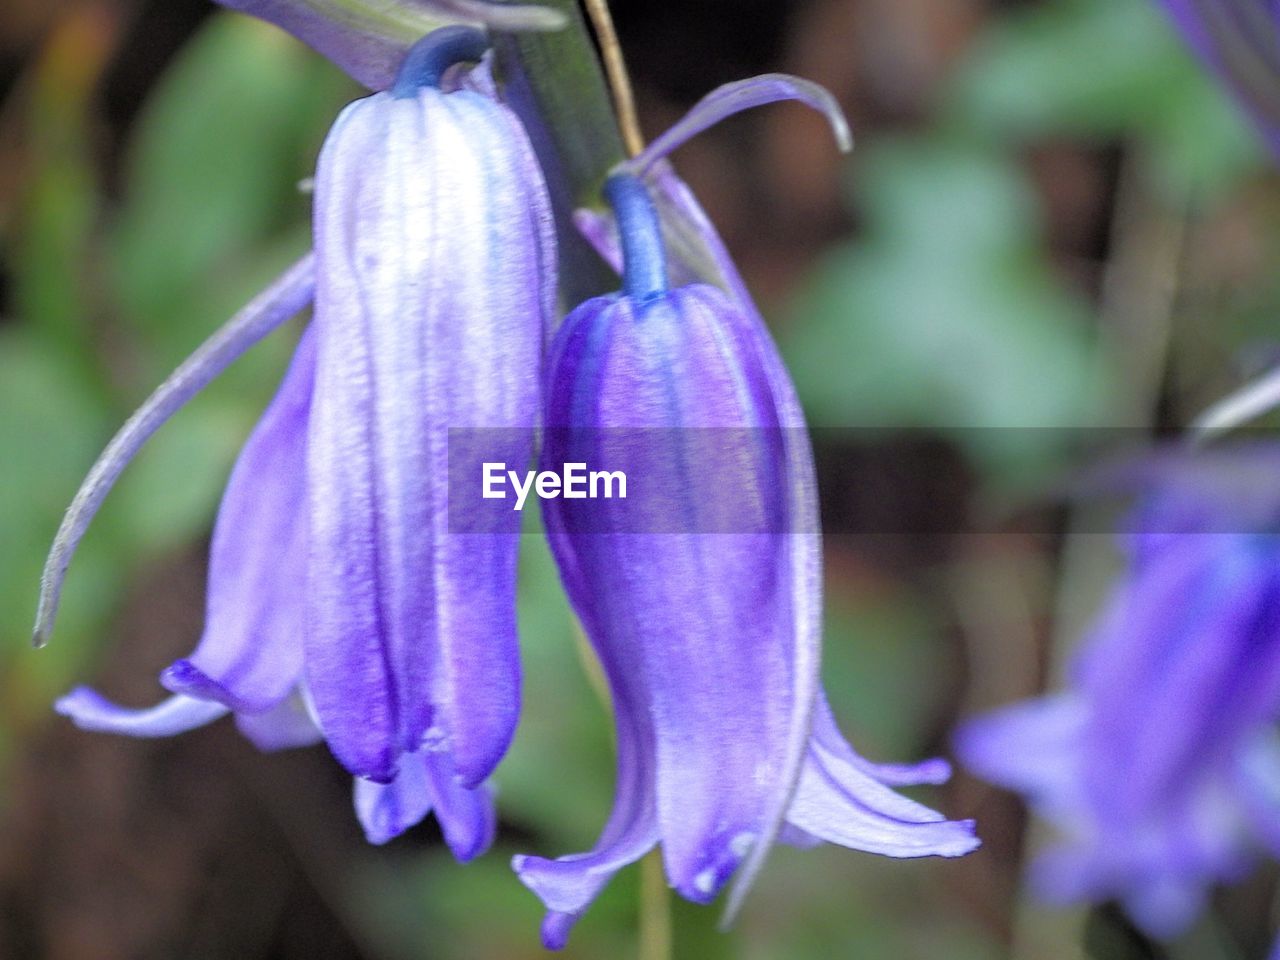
{"points": [[1053, 219]]}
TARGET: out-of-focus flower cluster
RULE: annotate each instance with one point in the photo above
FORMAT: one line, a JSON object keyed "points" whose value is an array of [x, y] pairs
{"points": [[1159, 764]]}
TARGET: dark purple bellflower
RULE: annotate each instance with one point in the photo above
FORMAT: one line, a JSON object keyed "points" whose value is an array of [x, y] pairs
{"points": [[1159, 765], [340, 603], [702, 599]]}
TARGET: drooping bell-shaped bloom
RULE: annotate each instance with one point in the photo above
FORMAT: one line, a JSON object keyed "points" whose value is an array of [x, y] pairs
{"points": [[369, 40], [1159, 764], [1240, 41], [344, 599], [701, 592]]}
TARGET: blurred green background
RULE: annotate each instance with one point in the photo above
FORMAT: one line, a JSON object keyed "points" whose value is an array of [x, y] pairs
{"points": [[1053, 219]]}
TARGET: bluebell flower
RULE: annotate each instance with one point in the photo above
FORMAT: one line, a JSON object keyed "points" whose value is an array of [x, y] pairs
{"points": [[703, 600], [341, 603], [1159, 763], [1240, 41], [370, 40]]}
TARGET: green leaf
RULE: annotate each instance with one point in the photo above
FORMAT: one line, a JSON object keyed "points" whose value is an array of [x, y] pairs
{"points": [[220, 149], [565, 732], [946, 315], [1104, 70], [884, 669]]}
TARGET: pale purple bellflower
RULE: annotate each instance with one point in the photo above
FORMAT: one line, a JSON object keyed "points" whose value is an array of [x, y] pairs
{"points": [[1240, 40], [341, 603], [703, 599], [1159, 764]]}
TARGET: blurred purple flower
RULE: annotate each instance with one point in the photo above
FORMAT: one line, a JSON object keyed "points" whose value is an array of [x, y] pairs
{"points": [[340, 603], [709, 639], [1240, 40], [370, 38], [1159, 765]]}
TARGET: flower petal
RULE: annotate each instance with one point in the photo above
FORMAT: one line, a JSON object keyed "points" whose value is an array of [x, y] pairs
{"points": [[1033, 747], [846, 806], [696, 253], [719, 671], [286, 725], [387, 810], [286, 296], [793, 836], [828, 743], [1257, 778], [89, 710], [250, 657], [1167, 906], [567, 886], [466, 814], [426, 782], [735, 97], [1171, 699], [432, 235]]}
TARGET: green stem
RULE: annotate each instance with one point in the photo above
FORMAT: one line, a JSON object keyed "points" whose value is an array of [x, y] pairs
{"points": [[655, 909], [554, 82]]}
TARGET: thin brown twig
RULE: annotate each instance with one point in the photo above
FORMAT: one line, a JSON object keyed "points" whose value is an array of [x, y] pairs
{"points": [[615, 69]]}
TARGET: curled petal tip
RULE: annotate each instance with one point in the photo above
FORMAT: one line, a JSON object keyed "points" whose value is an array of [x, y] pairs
{"points": [[67, 705], [467, 817], [967, 842], [387, 810], [934, 771], [51, 579], [185, 678], [556, 927], [743, 95], [89, 710], [937, 770]]}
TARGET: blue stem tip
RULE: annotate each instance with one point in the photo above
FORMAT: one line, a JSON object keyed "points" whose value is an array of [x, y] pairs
{"points": [[428, 59], [644, 256]]}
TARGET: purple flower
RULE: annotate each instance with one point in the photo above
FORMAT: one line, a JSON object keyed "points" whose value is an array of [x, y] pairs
{"points": [[1159, 764], [703, 597], [1240, 40], [370, 40], [341, 603]]}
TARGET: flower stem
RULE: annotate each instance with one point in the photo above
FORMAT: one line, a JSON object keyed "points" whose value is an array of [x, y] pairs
{"points": [[655, 909], [644, 258], [554, 82], [430, 57], [615, 69]]}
